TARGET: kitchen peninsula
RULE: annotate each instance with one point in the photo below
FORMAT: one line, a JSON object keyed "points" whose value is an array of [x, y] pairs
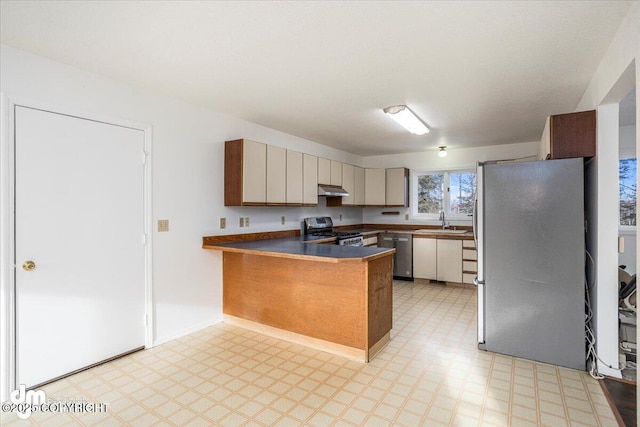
{"points": [[330, 297]]}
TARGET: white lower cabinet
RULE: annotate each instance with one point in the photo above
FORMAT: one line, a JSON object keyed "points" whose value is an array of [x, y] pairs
{"points": [[449, 256], [437, 259], [424, 258], [370, 240]]}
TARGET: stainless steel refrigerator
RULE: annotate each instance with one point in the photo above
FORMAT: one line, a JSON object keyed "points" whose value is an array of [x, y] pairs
{"points": [[529, 229]]}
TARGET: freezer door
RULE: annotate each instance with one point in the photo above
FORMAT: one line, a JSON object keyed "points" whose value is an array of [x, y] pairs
{"points": [[534, 261]]}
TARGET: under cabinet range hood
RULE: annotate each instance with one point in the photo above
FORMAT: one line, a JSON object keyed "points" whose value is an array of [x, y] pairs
{"points": [[332, 190]]}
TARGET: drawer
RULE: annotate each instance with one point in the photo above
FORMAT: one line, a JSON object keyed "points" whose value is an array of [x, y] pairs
{"points": [[468, 244], [469, 266], [469, 254], [468, 278]]}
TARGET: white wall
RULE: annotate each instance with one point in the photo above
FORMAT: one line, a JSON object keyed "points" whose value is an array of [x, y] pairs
{"points": [[606, 289], [463, 158], [617, 73], [188, 166], [627, 141]]}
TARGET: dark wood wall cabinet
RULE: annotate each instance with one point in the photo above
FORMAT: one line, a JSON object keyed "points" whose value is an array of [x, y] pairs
{"points": [[569, 135]]}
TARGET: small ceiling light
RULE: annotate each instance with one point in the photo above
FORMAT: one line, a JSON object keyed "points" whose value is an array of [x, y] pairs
{"points": [[442, 152], [405, 117]]}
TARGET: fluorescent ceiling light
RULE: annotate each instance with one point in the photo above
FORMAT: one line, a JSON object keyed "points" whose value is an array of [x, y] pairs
{"points": [[442, 152], [405, 117]]}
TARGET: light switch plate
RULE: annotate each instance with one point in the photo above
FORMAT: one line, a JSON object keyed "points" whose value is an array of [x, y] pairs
{"points": [[246, 221], [163, 225], [241, 222], [282, 220], [223, 222]]}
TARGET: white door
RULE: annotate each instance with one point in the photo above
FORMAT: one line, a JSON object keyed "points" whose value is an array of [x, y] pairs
{"points": [[80, 219]]}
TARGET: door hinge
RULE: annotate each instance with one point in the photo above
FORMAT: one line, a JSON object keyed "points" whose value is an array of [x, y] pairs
{"points": [[144, 157], [144, 239]]}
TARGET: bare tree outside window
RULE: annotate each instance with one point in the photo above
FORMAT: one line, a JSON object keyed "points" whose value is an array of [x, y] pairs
{"points": [[462, 192], [627, 176], [430, 193]]}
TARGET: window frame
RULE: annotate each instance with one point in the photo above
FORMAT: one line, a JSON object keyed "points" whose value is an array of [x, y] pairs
{"points": [[415, 174]]}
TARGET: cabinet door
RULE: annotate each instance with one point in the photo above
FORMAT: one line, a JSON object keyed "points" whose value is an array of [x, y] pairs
{"points": [[449, 265], [310, 179], [573, 135], [254, 172], [294, 178], [396, 187], [276, 174], [336, 172], [359, 186], [324, 171], [348, 183], [374, 187], [424, 258]]}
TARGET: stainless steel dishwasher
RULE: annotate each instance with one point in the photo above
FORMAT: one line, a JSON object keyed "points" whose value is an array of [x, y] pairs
{"points": [[403, 258]]}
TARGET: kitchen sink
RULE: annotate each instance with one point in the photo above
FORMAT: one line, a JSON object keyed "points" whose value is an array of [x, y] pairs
{"points": [[436, 230]]}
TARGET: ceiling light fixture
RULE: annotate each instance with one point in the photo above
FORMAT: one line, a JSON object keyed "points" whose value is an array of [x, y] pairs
{"points": [[405, 117], [442, 152]]}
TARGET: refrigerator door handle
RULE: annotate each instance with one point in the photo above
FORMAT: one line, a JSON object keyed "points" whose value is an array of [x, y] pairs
{"points": [[477, 282]]}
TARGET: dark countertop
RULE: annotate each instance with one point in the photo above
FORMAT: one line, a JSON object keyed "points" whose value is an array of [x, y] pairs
{"points": [[297, 248]]}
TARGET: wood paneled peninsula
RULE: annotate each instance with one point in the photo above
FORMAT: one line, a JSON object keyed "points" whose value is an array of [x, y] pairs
{"points": [[330, 297]]}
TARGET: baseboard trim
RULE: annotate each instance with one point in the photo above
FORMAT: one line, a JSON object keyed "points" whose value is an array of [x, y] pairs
{"points": [[186, 331]]}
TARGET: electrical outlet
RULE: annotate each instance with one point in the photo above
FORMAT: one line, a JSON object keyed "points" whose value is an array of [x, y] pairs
{"points": [[282, 220], [241, 222], [223, 222], [340, 217], [246, 221], [406, 217], [163, 225]]}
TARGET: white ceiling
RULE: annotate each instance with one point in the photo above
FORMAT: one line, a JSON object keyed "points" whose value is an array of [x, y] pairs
{"points": [[477, 73]]}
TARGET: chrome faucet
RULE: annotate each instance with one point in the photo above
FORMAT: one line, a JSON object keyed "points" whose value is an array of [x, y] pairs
{"points": [[444, 223]]}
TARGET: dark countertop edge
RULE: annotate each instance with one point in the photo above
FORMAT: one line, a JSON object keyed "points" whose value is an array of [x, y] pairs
{"points": [[367, 230]]}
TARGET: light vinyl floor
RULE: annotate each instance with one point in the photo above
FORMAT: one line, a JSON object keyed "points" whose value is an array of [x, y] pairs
{"points": [[430, 374]]}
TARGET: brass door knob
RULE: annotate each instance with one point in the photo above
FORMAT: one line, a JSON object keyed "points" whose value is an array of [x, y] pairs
{"points": [[28, 265]]}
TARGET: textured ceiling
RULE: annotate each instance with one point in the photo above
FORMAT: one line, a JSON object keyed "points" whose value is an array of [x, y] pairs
{"points": [[477, 73]]}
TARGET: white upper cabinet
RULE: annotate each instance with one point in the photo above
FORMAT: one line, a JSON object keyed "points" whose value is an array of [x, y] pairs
{"points": [[397, 187], [258, 174], [276, 175], [310, 179], [359, 186], [324, 171], [348, 183], [336, 173], [294, 178], [254, 171], [374, 187]]}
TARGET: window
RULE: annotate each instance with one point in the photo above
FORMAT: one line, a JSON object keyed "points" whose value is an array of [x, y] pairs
{"points": [[627, 175], [450, 191]]}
